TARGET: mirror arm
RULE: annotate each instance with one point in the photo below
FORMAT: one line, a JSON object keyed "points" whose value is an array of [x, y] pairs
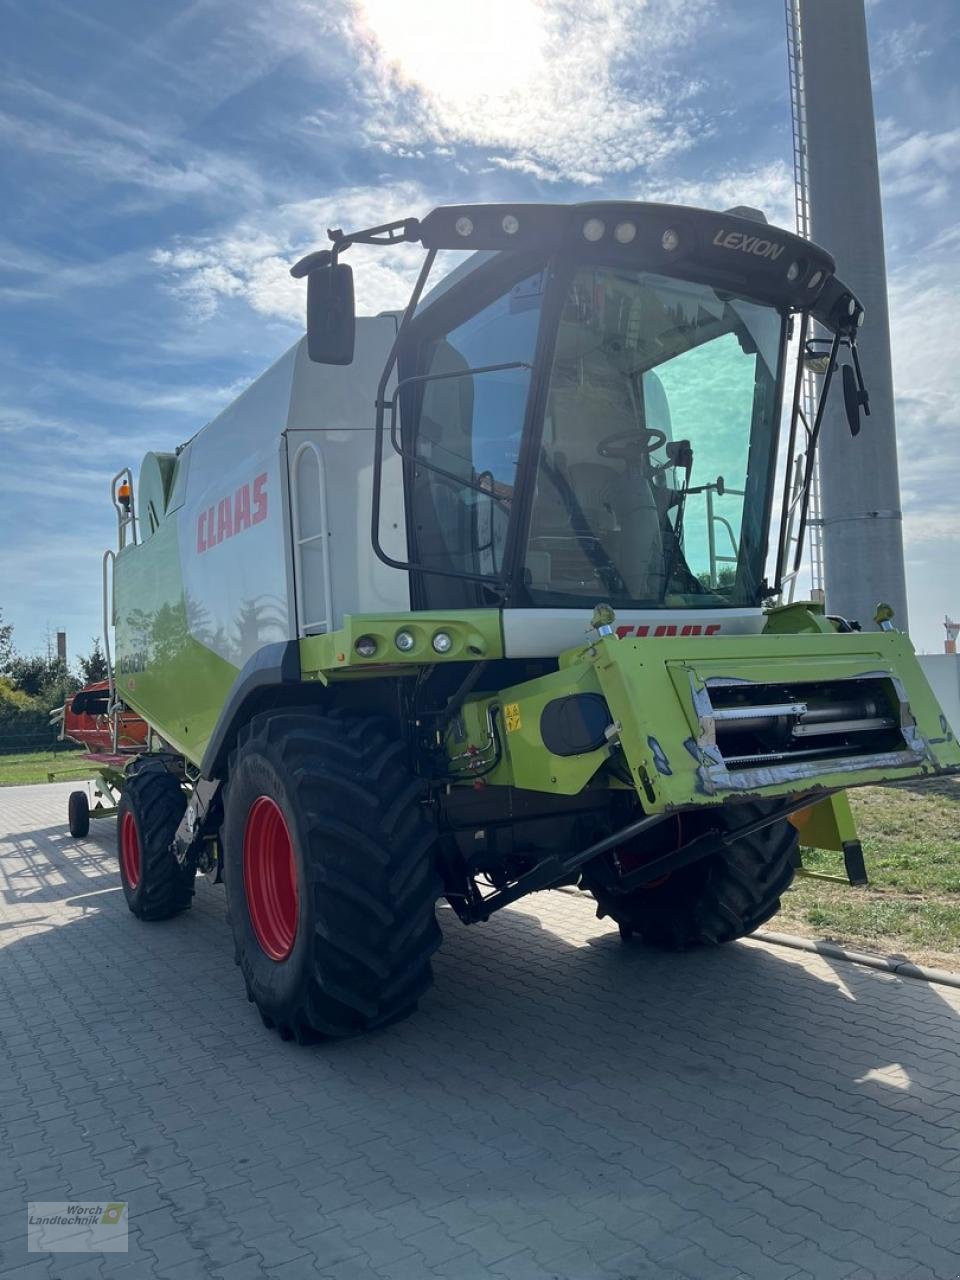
{"points": [[812, 451], [861, 385]]}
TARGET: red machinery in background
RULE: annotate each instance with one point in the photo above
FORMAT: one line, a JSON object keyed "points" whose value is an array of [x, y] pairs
{"points": [[110, 741]]}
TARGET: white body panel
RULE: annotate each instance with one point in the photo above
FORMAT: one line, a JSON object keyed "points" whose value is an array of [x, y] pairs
{"points": [[247, 572], [537, 633]]}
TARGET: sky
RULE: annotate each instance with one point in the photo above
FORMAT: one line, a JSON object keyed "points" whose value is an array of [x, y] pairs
{"points": [[161, 166]]}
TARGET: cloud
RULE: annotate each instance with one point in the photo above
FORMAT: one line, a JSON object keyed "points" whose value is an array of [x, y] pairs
{"points": [[555, 88], [158, 161], [251, 263], [899, 48], [768, 187], [921, 165], [927, 387]]}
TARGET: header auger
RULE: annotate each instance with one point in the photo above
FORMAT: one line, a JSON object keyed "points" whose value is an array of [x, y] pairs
{"points": [[478, 599]]}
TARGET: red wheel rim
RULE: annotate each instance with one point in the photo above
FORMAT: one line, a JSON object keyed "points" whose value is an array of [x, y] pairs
{"points": [[130, 850], [270, 879]]}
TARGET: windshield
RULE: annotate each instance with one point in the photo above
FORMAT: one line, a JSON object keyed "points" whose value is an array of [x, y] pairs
{"points": [[469, 428], [655, 459], [650, 478]]}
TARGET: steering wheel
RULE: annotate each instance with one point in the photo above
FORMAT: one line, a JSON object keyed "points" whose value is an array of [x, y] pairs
{"points": [[632, 446]]}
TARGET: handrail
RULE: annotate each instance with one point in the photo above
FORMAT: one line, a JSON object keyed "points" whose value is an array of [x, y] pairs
{"points": [[126, 514], [325, 623], [109, 558]]}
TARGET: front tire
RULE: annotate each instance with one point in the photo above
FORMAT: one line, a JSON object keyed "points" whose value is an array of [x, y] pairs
{"points": [[329, 863], [717, 900], [78, 814], [151, 805]]}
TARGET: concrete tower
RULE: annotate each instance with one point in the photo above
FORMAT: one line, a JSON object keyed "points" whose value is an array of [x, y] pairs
{"points": [[859, 482]]}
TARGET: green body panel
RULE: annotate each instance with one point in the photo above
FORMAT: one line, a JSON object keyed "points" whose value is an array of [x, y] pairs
{"points": [[164, 673], [476, 635], [654, 690], [828, 824], [789, 619], [526, 762]]}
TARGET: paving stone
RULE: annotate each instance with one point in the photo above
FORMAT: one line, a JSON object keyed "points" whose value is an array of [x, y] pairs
{"points": [[560, 1108]]}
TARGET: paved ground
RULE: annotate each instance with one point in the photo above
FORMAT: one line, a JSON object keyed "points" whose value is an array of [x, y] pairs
{"points": [[561, 1106]]}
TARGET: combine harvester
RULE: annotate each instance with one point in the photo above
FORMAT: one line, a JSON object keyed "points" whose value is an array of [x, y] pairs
{"points": [[470, 601]]}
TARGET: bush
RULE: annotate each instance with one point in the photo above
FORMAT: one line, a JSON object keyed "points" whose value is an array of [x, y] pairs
{"points": [[24, 721]]}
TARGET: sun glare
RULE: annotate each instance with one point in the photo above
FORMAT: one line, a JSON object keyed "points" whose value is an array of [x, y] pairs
{"points": [[455, 51]]}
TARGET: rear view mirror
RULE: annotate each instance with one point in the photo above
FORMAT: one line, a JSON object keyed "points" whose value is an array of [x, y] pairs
{"points": [[852, 399], [331, 319]]}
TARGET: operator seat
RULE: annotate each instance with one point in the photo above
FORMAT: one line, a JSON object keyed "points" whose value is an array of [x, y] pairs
{"points": [[590, 512]]}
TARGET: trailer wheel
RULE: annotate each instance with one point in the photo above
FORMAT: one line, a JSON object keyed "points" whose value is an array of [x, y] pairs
{"points": [[78, 814], [154, 883], [329, 864], [710, 902]]}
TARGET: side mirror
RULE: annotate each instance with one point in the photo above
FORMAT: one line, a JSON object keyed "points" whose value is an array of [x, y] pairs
{"points": [[852, 399], [331, 318]]}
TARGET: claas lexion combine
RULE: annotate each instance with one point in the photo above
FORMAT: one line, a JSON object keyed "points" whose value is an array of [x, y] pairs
{"points": [[473, 600]]}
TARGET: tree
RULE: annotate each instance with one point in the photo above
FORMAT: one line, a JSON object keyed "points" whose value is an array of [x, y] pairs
{"points": [[6, 642], [40, 677], [94, 666]]}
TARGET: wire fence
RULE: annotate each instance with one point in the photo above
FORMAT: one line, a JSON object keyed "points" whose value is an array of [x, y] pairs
{"points": [[30, 741]]}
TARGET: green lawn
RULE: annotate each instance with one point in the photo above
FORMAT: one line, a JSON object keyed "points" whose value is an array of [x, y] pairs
{"points": [[911, 842], [43, 766]]}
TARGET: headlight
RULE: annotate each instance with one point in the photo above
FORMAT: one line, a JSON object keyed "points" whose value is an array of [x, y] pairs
{"points": [[593, 229], [366, 646], [404, 641], [442, 642]]}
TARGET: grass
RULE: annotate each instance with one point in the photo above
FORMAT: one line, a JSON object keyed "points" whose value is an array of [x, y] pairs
{"points": [[911, 842], [43, 766]]}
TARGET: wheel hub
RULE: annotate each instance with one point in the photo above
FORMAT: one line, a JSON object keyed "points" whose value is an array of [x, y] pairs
{"points": [[130, 849], [270, 878]]}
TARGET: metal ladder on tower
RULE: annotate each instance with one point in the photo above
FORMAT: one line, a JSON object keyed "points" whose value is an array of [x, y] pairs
{"points": [[801, 174]]}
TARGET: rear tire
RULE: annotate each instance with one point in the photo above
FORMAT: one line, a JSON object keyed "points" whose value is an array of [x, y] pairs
{"points": [[78, 814], [151, 805], [329, 864], [714, 901]]}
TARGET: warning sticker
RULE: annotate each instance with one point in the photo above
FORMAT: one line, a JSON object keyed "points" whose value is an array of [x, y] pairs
{"points": [[511, 713]]}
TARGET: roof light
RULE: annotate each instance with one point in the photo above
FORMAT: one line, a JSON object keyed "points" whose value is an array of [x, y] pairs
{"points": [[442, 642], [593, 229], [404, 640], [510, 224], [624, 232], [670, 240], [793, 271], [366, 646], [464, 226], [814, 279]]}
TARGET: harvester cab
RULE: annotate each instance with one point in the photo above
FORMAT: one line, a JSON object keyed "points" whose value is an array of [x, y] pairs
{"points": [[480, 598], [554, 401]]}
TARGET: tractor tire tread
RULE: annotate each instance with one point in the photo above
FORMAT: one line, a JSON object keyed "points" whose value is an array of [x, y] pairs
{"points": [[370, 870], [157, 801]]}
